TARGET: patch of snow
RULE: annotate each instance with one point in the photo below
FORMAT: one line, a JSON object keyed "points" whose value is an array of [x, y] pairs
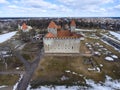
{"points": [[98, 69], [101, 65], [97, 53], [58, 88], [80, 75], [3, 86], [91, 69], [117, 35], [104, 49], [64, 78], [97, 44], [17, 68], [109, 84], [68, 71], [86, 43], [74, 73], [3, 52], [101, 46], [109, 58], [15, 86], [5, 37], [114, 56], [7, 55], [89, 46]]}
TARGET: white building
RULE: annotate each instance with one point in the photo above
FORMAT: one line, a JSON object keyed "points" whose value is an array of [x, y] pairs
{"points": [[24, 27], [61, 41]]}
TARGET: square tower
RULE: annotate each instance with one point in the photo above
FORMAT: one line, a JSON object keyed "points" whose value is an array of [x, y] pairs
{"points": [[72, 26], [52, 28]]}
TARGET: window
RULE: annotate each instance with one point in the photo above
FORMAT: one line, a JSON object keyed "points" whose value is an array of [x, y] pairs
{"points": [[72, 47], [48, 46]]}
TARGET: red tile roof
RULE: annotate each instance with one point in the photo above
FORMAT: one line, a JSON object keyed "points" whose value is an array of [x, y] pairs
{"points": [[63, 33], [73, 23], [24, 26], [50, 35], [52, 25]]}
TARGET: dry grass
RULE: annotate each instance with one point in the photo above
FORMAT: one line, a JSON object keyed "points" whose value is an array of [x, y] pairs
{"points": [[83, 48], [8, 79], [51, 69]]}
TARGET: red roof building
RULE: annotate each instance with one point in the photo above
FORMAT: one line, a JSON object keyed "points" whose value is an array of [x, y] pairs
{"points": [[24, 26], [72, 23], [52, 25], [58, 40], [62, 33]]}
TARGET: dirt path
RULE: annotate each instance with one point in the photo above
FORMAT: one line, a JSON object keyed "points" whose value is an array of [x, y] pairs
{"points": [[29, 70]]}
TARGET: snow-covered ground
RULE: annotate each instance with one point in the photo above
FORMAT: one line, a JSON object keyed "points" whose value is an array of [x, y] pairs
{"points": [[109, 58], [3, 86], [109, 84], [5, 37], [117, 35], [15, 86]]}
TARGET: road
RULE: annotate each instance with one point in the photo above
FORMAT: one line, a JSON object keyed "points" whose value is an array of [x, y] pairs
{"points": [[30, 67]]}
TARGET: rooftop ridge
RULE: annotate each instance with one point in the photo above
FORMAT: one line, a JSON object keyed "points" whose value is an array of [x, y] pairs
{"points": [[73, 23], [52, 25]]}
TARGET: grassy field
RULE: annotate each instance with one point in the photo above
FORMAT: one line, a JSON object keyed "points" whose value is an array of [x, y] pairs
{"points": [[51, 69], [8, 80]]}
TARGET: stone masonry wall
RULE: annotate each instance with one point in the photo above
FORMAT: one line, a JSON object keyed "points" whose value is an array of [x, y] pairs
{"points": [[66, 45]]}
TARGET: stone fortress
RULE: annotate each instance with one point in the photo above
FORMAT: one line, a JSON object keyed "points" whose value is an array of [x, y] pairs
{"points": [[58, 40]]}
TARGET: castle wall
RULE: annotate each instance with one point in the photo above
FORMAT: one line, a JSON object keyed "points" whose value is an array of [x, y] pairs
{"points": [[55, 45]]}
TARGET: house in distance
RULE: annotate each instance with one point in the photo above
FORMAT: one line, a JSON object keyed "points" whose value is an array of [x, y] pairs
{"points": [[58, 40], [24, 27]]}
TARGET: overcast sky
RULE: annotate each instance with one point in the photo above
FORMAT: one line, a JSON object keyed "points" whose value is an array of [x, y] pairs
{"points": [[59, 8]]}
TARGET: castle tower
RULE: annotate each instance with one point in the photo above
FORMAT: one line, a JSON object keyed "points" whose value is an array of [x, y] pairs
{"points": [[72, 26], [52, 28]]}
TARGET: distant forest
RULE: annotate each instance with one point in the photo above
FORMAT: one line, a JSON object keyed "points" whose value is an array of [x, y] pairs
{"points": [[42, 23]]}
